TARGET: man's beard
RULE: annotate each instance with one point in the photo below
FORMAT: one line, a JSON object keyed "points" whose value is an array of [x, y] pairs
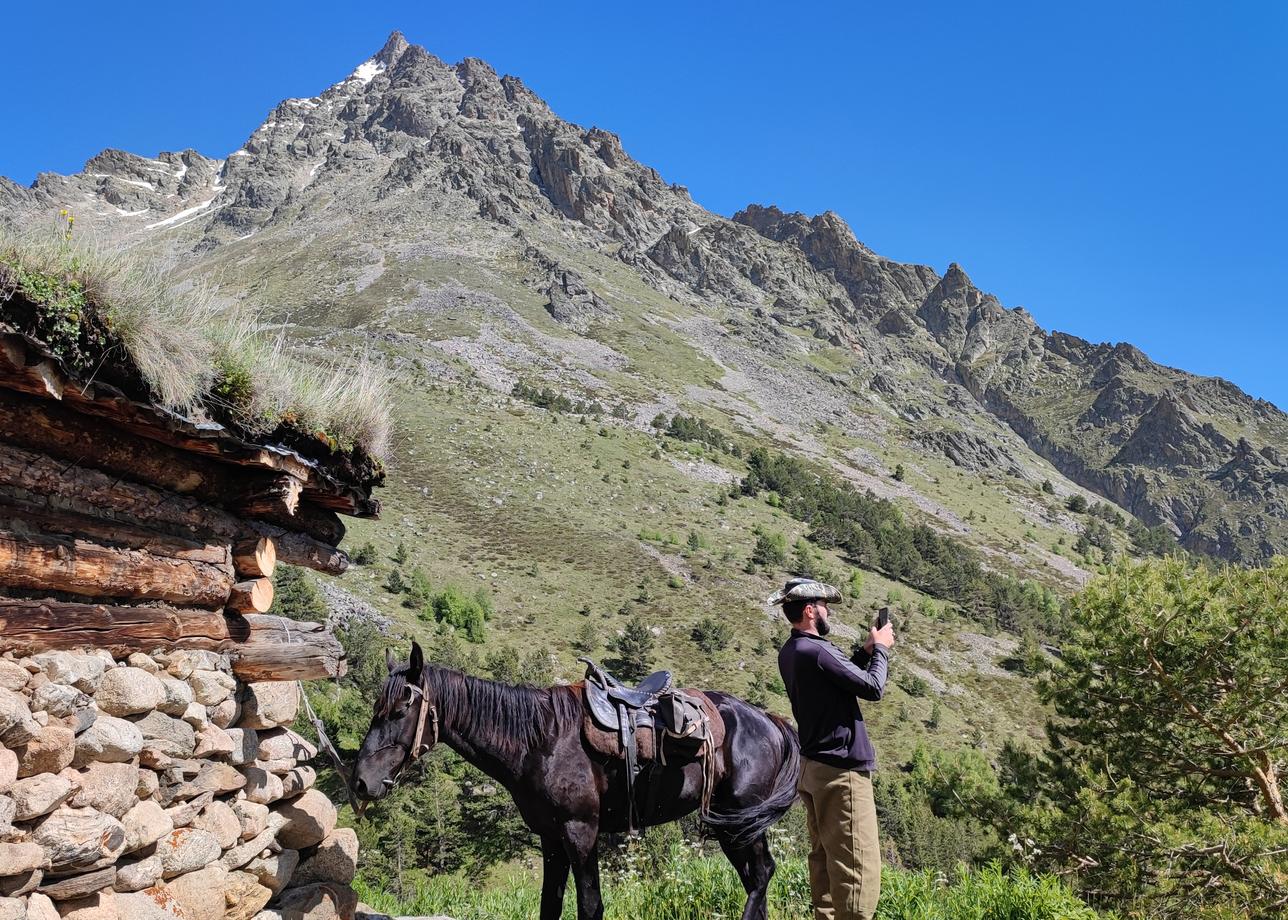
{"points": [[823, 626]]}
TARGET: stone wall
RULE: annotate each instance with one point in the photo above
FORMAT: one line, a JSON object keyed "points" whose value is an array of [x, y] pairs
{"points": [[161, 788]]}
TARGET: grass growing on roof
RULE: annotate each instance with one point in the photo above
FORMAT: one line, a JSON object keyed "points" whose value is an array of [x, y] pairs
{"points": [[192, 349]]}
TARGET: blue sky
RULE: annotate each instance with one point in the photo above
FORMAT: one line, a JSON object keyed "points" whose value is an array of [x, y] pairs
{"points": [[1116, 168]]}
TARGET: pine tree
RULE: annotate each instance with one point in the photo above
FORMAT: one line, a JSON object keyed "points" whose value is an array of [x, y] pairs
{"points": [[634, 651]]}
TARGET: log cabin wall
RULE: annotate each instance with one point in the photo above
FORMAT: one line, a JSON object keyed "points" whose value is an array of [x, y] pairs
{"points": [[147, 765]]}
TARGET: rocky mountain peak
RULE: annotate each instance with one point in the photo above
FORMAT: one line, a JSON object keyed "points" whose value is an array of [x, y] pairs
{"points": [[392, 49], [954, 309]]}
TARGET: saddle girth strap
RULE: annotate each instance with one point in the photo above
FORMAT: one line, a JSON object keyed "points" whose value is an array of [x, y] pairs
{"points": [[626, 719]]}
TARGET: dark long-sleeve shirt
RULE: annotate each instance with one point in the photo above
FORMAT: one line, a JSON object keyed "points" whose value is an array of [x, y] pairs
{"points": [[825, 687]]}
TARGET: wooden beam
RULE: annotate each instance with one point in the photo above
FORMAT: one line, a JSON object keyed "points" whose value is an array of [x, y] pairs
{"points": [[254, 596], [309, 519], [29, 517], [31, 472], [261, 647], [39, 424], [47, 563], [30, 626], [35, 472], [300, 549], [275, 648], [255, 557]]}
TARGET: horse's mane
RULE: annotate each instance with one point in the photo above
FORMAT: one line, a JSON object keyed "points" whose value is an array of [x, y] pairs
{"points": [[505, 715]]}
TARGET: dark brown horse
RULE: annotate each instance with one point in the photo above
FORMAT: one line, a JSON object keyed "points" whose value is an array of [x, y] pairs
{"points": [[530, 741]]}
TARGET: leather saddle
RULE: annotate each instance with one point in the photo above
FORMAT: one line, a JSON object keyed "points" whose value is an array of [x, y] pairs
{"points": [[611, 702], [645, 722]]}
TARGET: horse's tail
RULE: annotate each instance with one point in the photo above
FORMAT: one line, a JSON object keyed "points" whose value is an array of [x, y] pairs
{"points": [[742, 826]]}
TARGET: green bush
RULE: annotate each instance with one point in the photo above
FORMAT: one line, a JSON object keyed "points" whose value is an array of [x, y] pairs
{"points": [[770, 550], [546, 397], [467, 613], [634, 651], [365, 554], [913, 685]]}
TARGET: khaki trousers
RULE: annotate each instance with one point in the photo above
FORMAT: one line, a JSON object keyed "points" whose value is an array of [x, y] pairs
{"points": [[845, 855]]}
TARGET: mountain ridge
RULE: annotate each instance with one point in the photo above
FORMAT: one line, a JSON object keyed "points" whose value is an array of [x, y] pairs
{"points": [[411, 158]]}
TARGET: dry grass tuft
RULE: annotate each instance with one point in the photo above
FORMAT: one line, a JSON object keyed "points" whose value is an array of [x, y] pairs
{"points": [[163, 332], [193, 349]]}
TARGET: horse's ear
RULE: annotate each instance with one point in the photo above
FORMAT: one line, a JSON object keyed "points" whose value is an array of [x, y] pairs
{"points": [[391, 662], [417, 662]]}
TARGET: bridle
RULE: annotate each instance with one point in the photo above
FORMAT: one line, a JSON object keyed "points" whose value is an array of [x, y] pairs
{"points": [[428, 711], [427, 714]]}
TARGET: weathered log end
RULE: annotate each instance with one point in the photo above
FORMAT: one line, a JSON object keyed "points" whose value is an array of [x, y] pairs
{"points": [[253, 596], [255, 557]]}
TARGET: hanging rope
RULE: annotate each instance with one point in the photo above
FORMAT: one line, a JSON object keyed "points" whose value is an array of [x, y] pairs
{"points": [[329, 748]]}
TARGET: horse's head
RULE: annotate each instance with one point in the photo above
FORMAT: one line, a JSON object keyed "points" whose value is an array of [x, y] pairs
{"points": [[403, 727]]}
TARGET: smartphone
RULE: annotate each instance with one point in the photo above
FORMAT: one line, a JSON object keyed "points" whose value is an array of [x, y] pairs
{"points": [[883, 617]]}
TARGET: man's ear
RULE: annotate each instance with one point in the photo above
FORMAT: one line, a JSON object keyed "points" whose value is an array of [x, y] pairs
{"points": [[391, 662], [417, 662]]}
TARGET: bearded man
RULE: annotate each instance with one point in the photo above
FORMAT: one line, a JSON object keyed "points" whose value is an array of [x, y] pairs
{"points": [[837, 757]]}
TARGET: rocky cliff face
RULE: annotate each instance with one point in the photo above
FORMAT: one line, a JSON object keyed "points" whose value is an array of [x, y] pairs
{"points": [[360, 207]]}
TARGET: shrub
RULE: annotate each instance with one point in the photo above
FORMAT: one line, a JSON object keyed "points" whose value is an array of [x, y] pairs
{"points": [[587, 639], [770, 550], [365, 554], [394, 582], [712, 635], [1076, 503], [546, 397], [467, 613], [1161, 788], [914, 685]]}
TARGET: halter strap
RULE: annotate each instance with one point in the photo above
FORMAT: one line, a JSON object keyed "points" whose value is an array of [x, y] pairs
{"points": [[427, 713]]}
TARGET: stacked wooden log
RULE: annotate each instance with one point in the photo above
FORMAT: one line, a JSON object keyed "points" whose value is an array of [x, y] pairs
{"points": [[126, 527], [160, 786]]}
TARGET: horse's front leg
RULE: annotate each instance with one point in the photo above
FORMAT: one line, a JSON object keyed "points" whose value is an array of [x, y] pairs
{"points": [[554, 877], [581, 841]]}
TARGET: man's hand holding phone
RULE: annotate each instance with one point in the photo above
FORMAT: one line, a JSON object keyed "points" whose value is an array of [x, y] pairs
{"points": [[882, 633]]}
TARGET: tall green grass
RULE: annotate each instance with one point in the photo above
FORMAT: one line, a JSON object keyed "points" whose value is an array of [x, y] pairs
{"points": [[695, 887]]}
